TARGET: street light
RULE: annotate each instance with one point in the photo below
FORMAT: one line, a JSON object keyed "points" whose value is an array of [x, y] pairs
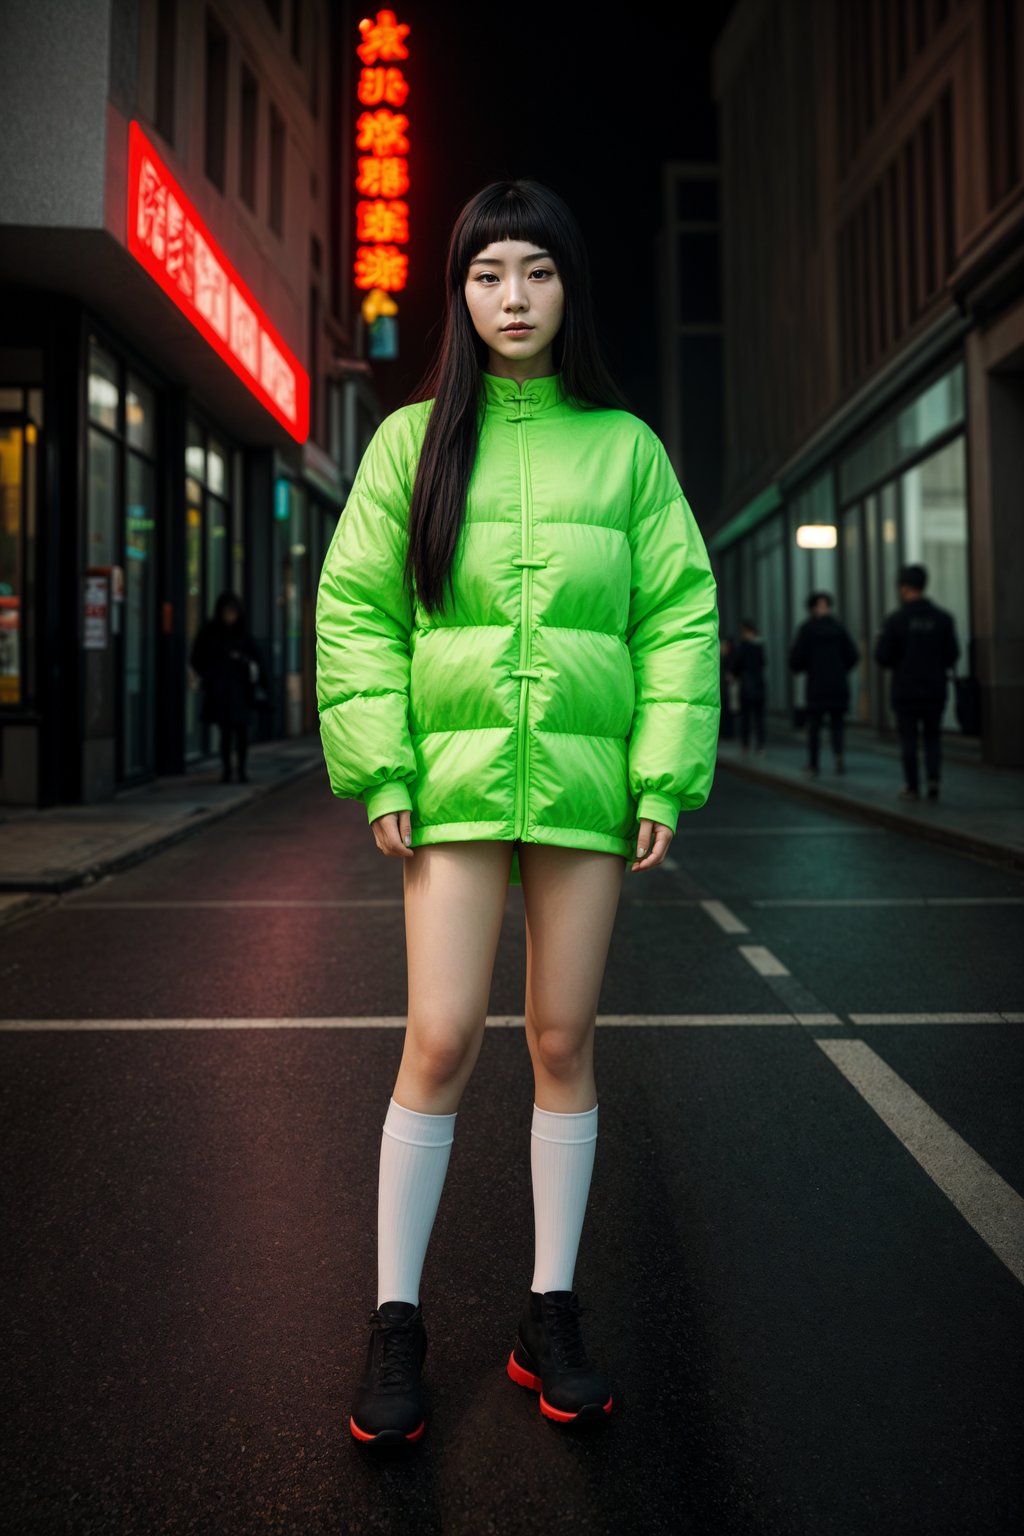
{"points": [[816, 536]]}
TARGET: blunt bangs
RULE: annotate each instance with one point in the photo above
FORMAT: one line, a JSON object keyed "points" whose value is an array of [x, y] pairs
{"points": [[510, 211]]}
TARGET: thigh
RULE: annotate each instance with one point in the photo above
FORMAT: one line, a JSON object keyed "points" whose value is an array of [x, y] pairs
{"points": [[571, 896], [454, 904]]}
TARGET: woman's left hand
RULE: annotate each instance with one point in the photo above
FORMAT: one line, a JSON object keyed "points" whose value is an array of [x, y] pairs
{"points": [[652, 844]]}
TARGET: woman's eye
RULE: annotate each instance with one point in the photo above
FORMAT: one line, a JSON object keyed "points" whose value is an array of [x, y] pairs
{"points": [[484, 277], [541, 272]]}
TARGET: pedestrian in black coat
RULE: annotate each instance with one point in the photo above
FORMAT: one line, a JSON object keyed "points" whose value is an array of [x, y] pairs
{"points": [[918, 642], [824, 649], [231, 667], [748, 669]]}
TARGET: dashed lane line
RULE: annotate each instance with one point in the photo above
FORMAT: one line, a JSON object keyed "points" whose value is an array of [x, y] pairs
{"points": [[762, 960], [398, 1021], [987, 1202], [728, 921], [861, 1019], [895, 901]]}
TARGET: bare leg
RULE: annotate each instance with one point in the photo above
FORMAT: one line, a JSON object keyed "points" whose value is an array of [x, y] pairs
{"points": [[454, 904], [571, 896]]}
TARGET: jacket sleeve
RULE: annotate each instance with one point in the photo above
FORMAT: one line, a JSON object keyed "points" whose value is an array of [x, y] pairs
{"points": [[363, 624], [672, 636]]}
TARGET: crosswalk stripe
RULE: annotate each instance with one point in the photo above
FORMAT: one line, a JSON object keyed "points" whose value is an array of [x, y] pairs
{"points": [[987, 1202]]}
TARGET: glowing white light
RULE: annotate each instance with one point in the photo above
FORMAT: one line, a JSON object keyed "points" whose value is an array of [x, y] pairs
{"points": [[816, 536]]}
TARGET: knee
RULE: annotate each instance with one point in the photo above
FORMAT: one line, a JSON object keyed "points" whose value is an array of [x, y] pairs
{"points": [[563, 1050], [438, 1053]]}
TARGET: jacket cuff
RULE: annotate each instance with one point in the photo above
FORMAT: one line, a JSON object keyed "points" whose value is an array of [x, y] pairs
{"points": [[654, 807], [383, 798]]}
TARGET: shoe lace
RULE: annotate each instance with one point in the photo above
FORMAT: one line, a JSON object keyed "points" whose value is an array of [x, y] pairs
{"points": [[398, 1350], [564, 1332]]}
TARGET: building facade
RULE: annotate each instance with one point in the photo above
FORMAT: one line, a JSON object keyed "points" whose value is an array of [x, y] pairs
{"points": [[180, 408], [872, 164]]}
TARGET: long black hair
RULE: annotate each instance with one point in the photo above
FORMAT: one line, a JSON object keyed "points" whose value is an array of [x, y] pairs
{"points": [[504, 210]]}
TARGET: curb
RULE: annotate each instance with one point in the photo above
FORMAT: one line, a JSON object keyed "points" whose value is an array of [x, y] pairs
{"points": [[929, 831], [37, 891]]}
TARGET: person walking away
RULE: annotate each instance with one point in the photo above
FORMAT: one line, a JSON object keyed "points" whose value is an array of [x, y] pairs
{"points": [[748, 667], [919, 644], [823, 648], [231, 668]]}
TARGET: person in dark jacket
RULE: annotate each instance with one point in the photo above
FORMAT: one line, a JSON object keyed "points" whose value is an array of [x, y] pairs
{"points": [[918, 642], [227, 660], [824, 649], [748, 668]]}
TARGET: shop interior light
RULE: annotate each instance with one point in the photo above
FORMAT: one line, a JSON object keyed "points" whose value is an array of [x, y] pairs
{"points": [[817, 536]]}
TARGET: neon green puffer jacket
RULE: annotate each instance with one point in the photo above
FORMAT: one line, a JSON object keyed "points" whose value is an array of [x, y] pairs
{"points": [[574, 689]]}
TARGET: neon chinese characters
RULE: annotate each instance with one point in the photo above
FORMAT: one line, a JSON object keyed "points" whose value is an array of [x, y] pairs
{"points": [[168, 238], [382, 138]]}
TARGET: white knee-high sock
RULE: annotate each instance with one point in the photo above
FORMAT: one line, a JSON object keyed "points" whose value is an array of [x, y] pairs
{"points": [[414, 1153], [562, 1151]]}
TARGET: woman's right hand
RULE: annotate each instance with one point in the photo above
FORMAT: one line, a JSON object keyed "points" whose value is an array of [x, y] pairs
{"points": [[392, 832]]}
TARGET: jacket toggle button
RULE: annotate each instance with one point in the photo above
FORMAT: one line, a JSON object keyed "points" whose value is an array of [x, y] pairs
{"points": [[525, 560], [525, 672]]}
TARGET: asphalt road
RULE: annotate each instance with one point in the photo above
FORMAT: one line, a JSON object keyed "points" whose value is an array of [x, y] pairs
{"points": [[802, 1262]]}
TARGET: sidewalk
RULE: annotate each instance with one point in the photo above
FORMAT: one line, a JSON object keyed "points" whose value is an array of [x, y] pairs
{"points": [[981, 810], [45, 852]]}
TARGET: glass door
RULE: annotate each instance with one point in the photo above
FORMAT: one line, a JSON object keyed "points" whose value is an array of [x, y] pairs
{"points": [[12, 525]]}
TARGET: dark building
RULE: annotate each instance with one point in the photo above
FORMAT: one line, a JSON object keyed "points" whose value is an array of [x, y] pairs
{"points": [[175, 300], [872, 163]]}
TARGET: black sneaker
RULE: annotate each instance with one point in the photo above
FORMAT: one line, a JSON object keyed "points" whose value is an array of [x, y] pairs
{"points": [[388, 1406], [549, 1358]]}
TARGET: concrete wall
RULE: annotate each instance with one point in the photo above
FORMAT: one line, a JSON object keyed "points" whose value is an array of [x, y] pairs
{"points": [[54, 79]]}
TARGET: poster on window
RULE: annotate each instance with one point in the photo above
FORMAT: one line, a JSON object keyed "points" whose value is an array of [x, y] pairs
{"points": [[96, 604]]}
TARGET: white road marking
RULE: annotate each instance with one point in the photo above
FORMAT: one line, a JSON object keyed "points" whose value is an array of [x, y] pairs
{"points": [[394, 1021], [84, 904], [668, 862], [785, 832], [936, 1018], [719, 913], [987, 1202], [900, 901], [763, 961]]}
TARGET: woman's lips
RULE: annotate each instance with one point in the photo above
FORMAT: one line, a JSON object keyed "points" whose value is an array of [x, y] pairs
{"points": [[516, 330]]}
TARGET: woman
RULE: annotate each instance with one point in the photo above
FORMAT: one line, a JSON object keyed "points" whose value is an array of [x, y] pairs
{"points": [[517, 673], [227, 660]]}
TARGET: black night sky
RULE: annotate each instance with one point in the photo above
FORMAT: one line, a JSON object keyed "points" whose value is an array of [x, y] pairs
{"points": [[590, 101]]}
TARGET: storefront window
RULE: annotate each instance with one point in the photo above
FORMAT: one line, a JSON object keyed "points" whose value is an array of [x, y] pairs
{"points": [[210, 568], [140, 417], [12, 500], [102, 519], [852, 611], [104, 388], [770, 607], [936, 411], [934, 497], [140, 614]]}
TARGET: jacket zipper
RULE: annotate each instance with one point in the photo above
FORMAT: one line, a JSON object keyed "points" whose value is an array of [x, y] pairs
{"points": [[522, 766]]}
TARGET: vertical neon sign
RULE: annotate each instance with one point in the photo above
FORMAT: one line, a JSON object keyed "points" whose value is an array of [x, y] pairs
{"points": [[382, 214]]}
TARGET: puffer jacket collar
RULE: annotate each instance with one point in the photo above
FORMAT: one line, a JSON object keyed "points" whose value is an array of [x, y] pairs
{"points": [[533, 398]]}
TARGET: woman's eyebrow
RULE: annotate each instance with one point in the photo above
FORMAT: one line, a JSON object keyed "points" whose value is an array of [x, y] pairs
{"points": [[499, 261]]}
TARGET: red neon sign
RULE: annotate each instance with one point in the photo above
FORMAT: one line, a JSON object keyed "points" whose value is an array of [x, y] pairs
{"points": [[382, 219], [168, 238]]}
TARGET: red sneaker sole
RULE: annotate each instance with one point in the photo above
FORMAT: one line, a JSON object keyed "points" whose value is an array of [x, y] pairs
{"points": [[385, 1436], [524, 1378]]}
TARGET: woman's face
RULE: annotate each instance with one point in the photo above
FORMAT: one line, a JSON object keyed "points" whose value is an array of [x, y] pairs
{"points": [[515, 298]]}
